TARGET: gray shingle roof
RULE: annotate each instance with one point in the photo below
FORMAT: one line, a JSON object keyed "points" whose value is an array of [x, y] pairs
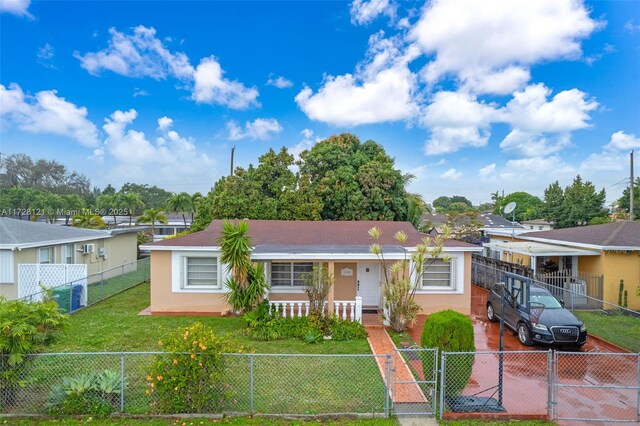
{"points": [[614, 234], [326, 234], [16, 233]]}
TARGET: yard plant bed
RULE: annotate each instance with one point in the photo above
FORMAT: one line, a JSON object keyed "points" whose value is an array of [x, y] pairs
{"points": [[621, 330]]}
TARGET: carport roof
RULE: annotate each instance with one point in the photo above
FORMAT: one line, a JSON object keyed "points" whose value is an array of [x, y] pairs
{"points": [[531, 248]]}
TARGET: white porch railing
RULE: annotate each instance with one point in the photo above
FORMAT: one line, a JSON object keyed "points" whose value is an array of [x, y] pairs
{"points": [[345, 309]]}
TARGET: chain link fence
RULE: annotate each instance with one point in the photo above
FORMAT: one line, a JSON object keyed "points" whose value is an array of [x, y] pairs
{"points": [[571, 386], [71, 296], [164, 383]]}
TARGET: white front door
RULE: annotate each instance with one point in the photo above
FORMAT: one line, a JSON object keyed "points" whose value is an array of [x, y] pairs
{"points": [[368, 283]]}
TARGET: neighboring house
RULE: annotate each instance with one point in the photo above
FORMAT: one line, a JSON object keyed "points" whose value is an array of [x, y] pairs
{"points": [[36, 243], [187, 276], [175, 225], [611, 250], [538, 225]]}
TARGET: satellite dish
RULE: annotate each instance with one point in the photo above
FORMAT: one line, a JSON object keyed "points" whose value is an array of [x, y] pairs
{"points": [[510, 207]]}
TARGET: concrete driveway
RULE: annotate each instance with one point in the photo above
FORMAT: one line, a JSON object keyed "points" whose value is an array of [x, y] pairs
{"points": [[589, 384]]}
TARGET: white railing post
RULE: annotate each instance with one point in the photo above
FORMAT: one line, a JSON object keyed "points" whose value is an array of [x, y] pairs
{"points": [[292, 307], [359, 309], [299, 309], [307, 305], [352, 311]]}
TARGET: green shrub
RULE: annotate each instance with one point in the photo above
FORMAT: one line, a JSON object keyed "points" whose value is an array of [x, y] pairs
{"points": [[450, 331], [91, 393], [191, 376], [25, 328], [313, 335], [261, 324], [348, 330]]}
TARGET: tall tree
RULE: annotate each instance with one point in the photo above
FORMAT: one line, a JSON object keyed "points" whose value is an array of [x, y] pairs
{"points": [[444, 204], [153, 216], [132, 202], [527, 206], [624, 204], [152, 196], [582, 203], [180, 203], [355, 180], [553, 207]]}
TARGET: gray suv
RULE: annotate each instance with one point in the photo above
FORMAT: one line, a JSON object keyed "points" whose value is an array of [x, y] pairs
{"points": [[536, 316]]}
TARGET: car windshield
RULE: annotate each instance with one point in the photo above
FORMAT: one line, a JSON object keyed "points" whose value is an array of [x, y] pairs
{"points": [[545, 299]]}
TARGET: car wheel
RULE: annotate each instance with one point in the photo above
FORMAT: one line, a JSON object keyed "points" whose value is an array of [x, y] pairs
{"points": [[523, 334], [491, 315]]}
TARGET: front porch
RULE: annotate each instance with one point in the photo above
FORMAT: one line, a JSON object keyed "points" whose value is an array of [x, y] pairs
{"points": [[354, 296]]}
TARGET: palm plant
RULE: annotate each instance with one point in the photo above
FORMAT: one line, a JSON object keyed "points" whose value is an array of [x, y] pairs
{"points": [[180, 203], [87, 220], [247, 284], [153, 216], [132, 202], [195, 199]]}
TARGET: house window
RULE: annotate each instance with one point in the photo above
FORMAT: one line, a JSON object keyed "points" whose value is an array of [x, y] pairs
{"points": [[46, 255], [201, 272], [289, 273], [437, 273], [68, 253]]}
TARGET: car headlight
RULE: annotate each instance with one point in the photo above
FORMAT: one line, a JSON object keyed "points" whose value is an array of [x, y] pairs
{"points": [[583, 328], [540, 327]]}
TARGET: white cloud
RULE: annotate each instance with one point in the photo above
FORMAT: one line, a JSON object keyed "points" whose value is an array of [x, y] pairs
{"points": [[366, 11], [139, 92], [456, 120], [632, 27], [621, 141], [383, 89], [307, 142], [140, 54], [540, 126], [487, 171], [260, 129], [143, 54], [605, 162], [280, 82], [212, 88], [451, 174], [307, 133], [171, 155], [164, 123], [531, 111], [498, 39], [535, 171], [16, 7], [45, 55], [45, 112]]}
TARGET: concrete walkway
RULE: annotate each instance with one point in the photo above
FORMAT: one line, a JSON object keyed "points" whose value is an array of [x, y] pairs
{"points": [[381, 344]]}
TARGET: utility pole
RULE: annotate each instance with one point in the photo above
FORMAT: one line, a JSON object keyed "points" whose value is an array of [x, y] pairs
{"points": [[631, 187], [233, 148]]}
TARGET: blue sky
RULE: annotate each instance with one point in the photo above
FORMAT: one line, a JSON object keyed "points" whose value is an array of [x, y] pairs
{"points": [[471, 97]]}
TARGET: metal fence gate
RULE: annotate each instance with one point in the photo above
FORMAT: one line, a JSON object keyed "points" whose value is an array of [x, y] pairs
{"points": [[594, 386], [414, 376]]}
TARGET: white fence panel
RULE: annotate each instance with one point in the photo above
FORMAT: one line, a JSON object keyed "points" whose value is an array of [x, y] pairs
{"points": [[33, 276]]}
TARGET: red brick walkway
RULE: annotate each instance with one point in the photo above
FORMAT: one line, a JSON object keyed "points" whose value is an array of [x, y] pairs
{"points": [[381, 344]]}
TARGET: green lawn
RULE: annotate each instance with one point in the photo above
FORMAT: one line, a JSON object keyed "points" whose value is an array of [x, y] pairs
{"points": [[339, 382], [229, 421], [114, 325], [622, 330], [105, 288], [474, 422]]}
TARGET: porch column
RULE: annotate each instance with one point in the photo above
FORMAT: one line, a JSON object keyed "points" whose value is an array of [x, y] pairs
{"points": [[331, 295]]}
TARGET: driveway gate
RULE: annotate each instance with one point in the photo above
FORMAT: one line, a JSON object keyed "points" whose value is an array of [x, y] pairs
{"points": [[414, 373], [594, 386]]}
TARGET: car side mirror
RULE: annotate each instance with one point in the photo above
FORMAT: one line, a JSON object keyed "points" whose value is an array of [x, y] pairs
{"points": [[514, 303], [561, 302]]}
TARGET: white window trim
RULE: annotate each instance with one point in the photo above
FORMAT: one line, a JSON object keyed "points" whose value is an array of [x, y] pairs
{"points": [[179, 276], [52, 259], [288, 288], [457, 278], [73, 253]]}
